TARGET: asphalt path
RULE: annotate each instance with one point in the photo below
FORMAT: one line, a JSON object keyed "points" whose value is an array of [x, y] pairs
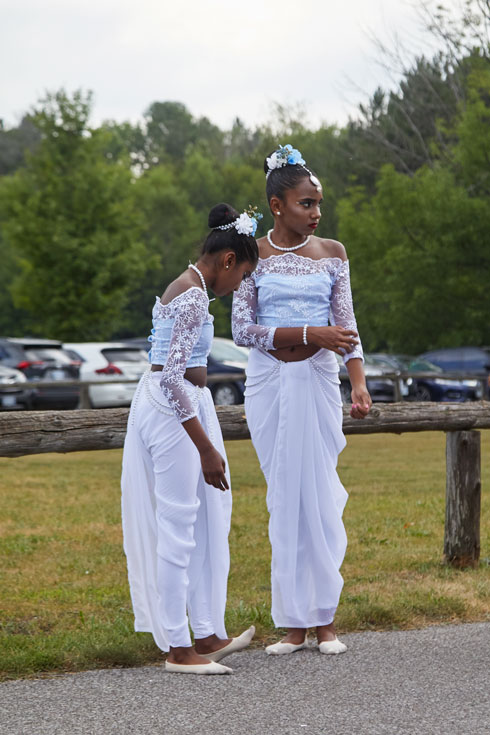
{"points": [[424, 682]]}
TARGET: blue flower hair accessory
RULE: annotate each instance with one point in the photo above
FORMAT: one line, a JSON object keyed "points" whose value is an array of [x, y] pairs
{"points": [[245, 223], [286, 155]]}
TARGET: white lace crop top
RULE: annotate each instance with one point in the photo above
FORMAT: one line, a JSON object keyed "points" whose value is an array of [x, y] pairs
{"points": [[181, 338], [291, 290]]}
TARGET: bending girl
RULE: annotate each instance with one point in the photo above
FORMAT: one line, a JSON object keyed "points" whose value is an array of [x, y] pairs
{"points": [[292, 398], [176, 501]]}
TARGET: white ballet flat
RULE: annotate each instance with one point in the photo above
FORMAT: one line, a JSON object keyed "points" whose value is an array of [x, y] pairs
{"points": [[278, 649], [332, 647], [235, 645], [211, 668]]}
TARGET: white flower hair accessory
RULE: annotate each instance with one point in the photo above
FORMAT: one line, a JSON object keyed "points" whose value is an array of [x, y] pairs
{"points": [[246, 223], [286, 155]]}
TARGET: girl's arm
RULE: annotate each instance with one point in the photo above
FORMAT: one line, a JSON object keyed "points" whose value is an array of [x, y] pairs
{"points": [[192, 310], [248, 333], [342, 314]]}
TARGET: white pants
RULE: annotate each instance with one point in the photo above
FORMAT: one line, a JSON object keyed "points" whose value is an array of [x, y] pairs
{"points": [[175, 525], [294, 413]]}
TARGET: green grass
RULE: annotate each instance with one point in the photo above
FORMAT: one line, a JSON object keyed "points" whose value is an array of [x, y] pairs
{"points": [[65, 602]]}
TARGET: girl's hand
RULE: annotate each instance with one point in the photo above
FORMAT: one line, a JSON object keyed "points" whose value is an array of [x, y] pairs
{"points": [[337, 339], [213, 468], [361, 402]]}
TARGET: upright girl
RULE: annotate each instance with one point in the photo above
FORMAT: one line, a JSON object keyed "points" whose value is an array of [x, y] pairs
{"points": [[295, 311], [176, 501]]}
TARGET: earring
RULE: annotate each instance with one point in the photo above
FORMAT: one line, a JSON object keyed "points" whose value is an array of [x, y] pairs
{"points": [[227, 266], [278, 213]]}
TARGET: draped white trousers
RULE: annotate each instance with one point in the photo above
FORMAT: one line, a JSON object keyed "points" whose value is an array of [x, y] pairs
{"points": [[294, 412], [175, 526]]}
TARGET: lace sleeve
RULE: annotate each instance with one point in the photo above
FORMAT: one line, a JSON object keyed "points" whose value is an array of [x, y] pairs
{"points": [[342, 308], [245, 330], [190, 313]]}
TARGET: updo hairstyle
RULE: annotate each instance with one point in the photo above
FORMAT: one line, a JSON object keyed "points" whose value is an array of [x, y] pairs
{"points": [[284, 178], [244, 246]]}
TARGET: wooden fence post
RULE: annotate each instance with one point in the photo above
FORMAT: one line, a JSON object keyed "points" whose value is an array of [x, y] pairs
{"points": [[463, 499], [84, 400]]}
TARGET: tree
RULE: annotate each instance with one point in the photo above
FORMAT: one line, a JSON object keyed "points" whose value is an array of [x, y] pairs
{"points": [[15, 142], [171, 130], [171, 233], [70, 218], [420, 245]]}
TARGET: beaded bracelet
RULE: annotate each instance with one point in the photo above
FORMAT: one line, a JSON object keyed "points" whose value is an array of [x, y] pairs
{"points": [[305, 341]]}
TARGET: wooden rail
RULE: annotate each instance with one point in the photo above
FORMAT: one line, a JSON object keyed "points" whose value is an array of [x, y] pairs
{"points": [[36, 432]]}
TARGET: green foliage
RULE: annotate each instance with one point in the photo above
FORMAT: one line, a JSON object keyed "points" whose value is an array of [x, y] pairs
{"points": [[420, 245], [417, 279], [69, 215], [95, 223]]}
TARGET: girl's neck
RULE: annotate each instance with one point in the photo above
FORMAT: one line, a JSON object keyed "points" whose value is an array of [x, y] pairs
{"points": [[284, 236], [207, 270]]}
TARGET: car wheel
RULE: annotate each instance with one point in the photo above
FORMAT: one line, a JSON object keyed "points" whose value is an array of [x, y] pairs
{"points": [[422, 394], [225, 394]]}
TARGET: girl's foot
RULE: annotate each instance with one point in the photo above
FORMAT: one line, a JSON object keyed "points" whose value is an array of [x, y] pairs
{"points": [[234, 646], [325, 633], [327, 640], [295, 636], [210, 644], [295, 640], [186, 656]]}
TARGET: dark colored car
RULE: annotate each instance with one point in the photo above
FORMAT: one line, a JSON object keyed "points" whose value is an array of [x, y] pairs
{"points": [[465, 360], [437, 388], [43, 361], [12, 395], [381, 389], [226, 372]]}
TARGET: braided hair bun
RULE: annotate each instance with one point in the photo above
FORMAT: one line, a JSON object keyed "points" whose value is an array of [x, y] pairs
{"points": [[244, 246], [222, 214]]}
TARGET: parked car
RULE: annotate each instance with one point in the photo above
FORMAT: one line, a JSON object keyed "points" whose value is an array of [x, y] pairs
{"points": [[467, 360], [43, 361], [438, 388], [380, 388], [12, 396], [226, 372], [226, 369], [104, 362]]}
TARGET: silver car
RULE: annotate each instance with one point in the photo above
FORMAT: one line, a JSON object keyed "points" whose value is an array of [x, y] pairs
{"points": [[105, 362]]}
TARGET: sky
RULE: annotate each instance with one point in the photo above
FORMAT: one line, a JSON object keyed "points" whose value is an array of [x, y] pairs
{"points": [[222, 58]]}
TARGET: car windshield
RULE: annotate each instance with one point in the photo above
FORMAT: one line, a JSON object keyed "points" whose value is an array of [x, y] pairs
{"points": [[227, 352], [124, 354], [423, 366], [388, 364], [47, 354]]}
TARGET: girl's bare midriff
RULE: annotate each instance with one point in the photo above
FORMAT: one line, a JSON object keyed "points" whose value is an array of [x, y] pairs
{"points": [[294, 354], [196, 375]]}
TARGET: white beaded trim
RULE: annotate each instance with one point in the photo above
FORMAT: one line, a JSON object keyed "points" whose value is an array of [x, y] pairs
{"points": [[305, 341], [196, 270], [147, 384]]}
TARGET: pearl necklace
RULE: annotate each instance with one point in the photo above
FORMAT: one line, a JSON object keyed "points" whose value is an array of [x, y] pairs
{"points": [[287, 250], [196, 269]]}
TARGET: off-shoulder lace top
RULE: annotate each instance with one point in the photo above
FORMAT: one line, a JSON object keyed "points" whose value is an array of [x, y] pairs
{"points": [[291, 290], [181, 338]]}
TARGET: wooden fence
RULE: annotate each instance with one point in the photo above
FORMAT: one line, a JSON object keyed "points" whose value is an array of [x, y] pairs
{"points": [[36, 432]]}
